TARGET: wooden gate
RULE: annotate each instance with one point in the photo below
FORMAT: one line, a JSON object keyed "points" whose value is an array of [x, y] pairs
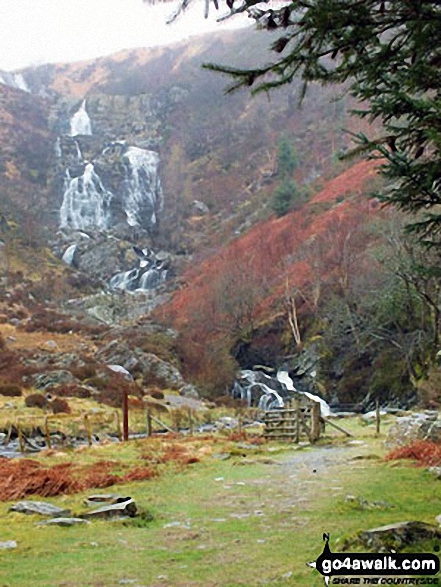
{"points": [[299, 419]]}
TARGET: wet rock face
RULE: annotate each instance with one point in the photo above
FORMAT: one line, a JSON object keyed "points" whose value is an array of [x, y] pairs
{"points": [[152, 367], [59, 377], [137, 117], [112, 309], [259, 389], [101, 258]]}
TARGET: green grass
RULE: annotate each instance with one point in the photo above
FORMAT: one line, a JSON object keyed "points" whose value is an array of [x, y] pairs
{"points": [[213, 546]]}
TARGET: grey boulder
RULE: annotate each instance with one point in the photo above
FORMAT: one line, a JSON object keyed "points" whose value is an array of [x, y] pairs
{"points": [[397, 536], [420, 426], [105, 498]]}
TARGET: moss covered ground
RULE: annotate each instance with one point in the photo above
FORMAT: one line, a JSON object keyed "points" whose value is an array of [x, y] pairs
{"points": [[242, 515]]}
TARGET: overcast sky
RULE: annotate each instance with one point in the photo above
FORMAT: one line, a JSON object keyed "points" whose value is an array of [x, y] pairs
{"points": [[33, 32]]}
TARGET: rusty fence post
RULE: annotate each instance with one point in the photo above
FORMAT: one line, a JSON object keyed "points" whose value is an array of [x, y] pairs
{"points": [[88, 429], [20, 437], [125, 416], [148, 416], [190, 420], [377, 415]]}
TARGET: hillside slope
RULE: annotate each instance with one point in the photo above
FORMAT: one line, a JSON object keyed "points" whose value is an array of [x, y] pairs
{"points": [[215, 149], [152, 181]]}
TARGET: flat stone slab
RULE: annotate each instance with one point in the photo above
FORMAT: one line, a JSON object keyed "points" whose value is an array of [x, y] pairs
{"points": [[124, 509], [64, 522], [39, 507], [105, 498]]}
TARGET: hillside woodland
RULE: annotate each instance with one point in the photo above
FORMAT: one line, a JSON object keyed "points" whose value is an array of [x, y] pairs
{"points": [[261, 246]]}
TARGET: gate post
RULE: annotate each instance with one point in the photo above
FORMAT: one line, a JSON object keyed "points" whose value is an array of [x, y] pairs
{"points": [[297, 406], [315, 422]]}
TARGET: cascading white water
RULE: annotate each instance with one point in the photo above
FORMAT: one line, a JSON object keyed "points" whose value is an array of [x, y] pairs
{"points": [[79, 153], [285, 379], [134, 280], [151, 273], [80, 123], [58, 151], [260, 389], [85, 202], [143, 191], [126, 280], [152, 278], [69, 254]]}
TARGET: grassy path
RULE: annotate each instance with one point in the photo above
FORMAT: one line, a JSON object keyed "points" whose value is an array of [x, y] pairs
{"points": [[243, 521]]}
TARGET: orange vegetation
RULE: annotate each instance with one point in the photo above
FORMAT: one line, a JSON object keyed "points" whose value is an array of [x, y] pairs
{"points": [[20, 478], [23, 477], [425, 453], [279, 250]]}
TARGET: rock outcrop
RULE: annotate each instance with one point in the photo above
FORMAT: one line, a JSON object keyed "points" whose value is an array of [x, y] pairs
{"points": [[395, 536], [152, 368], [420, 426]]}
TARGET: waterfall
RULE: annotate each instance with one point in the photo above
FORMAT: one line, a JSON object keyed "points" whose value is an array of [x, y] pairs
{"points": [[143, 191], [260, 390], [80, 122], [69, 254], [58, 151], [122, 181], [284, 378], [134, 280], [85, 202], [152, 278], [79, 153], [126, 280]]}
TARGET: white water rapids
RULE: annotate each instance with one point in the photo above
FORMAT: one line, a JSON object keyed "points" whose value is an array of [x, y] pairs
{"points": [[80, 123], [85, 202], [143, 185]]}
